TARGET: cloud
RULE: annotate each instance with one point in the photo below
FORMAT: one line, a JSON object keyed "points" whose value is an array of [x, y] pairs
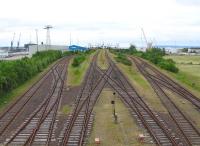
{"points": [[189, 2], [113, 21]]}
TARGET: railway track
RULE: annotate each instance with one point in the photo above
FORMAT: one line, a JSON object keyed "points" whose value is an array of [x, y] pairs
{"points": [[189, 134], [169, 83], [10, 114], [80, 120], [150, 120], [38, 128]]}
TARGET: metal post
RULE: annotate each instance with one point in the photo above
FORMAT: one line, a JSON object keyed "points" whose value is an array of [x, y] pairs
{"points": [[114, 113]]}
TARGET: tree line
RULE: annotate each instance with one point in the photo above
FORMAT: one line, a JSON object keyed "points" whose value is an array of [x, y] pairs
{"points": [[154, 55], [15, 73]]}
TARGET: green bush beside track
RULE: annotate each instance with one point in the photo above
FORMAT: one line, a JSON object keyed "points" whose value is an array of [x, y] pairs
{"points": [[15, 73]]}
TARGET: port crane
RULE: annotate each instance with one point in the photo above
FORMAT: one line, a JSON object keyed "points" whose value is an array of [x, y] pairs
{"points": [[148, 43], [12, 42], [18, 43]]}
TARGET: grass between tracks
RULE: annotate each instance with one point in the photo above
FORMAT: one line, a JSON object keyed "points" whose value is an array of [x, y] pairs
{"points": [[8, 98], [141, 85], [101, 60], [124, 133], [188, 76], [76, 74], [65, 109]]}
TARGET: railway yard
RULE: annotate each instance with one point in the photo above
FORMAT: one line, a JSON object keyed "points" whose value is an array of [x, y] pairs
{"points": [[115, 104]]}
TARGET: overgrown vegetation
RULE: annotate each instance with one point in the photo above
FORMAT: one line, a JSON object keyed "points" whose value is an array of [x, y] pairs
{"points": [[154, 55], [68, 53], [80, 57], [78, 60], [15, 73], [122, 58], [76, 73]]}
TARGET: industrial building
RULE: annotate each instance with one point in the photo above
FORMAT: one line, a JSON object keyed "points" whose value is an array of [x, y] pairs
{"points": [[77, 48], [34, 48]]}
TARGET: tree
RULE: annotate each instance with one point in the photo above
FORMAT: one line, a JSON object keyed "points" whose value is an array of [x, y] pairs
{"points": [[132, 48]]}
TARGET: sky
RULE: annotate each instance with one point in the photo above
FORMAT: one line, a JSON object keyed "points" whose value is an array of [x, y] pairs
{"points": [[113, 22]]}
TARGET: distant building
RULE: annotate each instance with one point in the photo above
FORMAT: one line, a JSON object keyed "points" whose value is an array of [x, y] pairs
{"points": [[34, 48], [77, 48], [194, 50], [27, 51]]}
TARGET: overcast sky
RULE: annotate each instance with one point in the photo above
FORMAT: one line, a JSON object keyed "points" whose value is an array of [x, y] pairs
{"points": [[96, 21]]}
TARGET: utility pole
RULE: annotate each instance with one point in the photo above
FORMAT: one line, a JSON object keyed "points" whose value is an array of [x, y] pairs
{"points": [[36, 31], [48, 38]]}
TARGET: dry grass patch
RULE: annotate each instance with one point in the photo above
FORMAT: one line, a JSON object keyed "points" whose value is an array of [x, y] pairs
{"points": [[124, 133], [101, 60]]}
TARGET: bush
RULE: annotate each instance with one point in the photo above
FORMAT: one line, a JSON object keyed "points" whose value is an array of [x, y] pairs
{"points": [[154, 55], [78, 60], [15, 73], [123, 59], [68, 53], [80, 57], [168, 65]]}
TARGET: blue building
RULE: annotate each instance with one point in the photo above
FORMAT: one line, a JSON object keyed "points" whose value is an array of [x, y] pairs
{"points": [[77, 48]]}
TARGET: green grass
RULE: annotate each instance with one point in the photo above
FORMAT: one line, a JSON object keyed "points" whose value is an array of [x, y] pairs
{"points": [[141, 85], [185, 59], [66, 109], [14, 94], [76, 74], [124, 133], [122, 58], [189, 73], [101, 60]]}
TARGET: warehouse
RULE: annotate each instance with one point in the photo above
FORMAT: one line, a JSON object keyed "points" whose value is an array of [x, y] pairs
{"points": [[77, 48]]}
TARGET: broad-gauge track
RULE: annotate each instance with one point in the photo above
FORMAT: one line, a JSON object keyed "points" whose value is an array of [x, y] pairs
{"points": [[30, 130], [38, 128], [188, 132], [76, 130], [168, 83], [150, 120]]}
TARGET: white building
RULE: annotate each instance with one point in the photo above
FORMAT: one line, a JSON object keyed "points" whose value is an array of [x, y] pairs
{"points": [[33, 48], [194, 50]]}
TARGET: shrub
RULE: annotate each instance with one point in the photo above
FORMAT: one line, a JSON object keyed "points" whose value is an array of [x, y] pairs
{"points": [[168, 65], [78, 60], [154, 55], [15, 73], [80, 57], [68, 53], [123, 59]]}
